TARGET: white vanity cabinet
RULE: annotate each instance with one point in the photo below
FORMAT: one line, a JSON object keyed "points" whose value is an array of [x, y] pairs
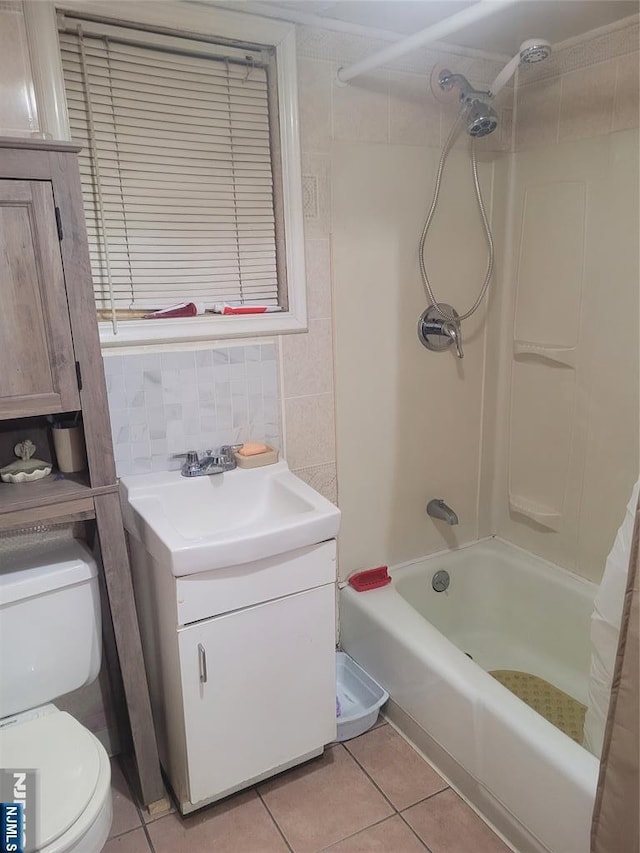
{"points": [[241, 665]]}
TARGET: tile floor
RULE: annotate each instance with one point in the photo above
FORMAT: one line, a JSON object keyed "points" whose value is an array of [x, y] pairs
{"points": [[373, 793]]}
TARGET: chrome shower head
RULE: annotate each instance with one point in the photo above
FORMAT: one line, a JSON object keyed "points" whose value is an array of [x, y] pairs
{"points": [[482, 119], [534, 50]]}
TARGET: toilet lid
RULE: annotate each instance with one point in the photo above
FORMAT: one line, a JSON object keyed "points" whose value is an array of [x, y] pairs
{"points": [[67, 759]]}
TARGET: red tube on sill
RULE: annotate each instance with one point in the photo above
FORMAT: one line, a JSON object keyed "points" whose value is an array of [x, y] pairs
{"points": [[370, 579], [185, 309]]}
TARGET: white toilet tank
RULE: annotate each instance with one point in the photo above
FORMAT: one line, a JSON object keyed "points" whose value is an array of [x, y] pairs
{"points": [[49, 624]]}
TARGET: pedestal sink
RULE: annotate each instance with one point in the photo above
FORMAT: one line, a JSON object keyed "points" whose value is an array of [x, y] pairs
{"points": [[202, 523]]}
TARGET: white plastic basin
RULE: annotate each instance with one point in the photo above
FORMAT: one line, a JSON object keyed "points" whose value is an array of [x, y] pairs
{"points": [[196, 524]]}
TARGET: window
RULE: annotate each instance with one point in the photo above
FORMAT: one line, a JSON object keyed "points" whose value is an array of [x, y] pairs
{"points": [[181, 174]]}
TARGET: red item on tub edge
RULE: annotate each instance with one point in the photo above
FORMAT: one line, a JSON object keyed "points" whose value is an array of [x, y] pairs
{"points": [[370, 579]]}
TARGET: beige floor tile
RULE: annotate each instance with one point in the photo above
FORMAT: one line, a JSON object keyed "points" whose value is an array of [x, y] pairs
{"points": [[391, 836], [446, 824], [236, 825], [323, 801], [125, 813], [130, 842], [395, 766]]}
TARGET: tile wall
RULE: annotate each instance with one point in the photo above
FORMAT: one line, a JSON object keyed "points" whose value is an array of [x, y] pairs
{"points": [[166, 403], [587, 88]]}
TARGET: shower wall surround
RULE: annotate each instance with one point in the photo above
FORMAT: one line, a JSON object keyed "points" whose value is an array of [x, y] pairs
{"points": [[567, 416]]}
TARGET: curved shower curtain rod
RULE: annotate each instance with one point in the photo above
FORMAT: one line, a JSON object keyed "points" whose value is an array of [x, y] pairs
{"points": [[436, 31]]}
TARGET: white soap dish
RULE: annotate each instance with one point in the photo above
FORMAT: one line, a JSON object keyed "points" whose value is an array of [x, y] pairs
{"points": [[358, 698]]}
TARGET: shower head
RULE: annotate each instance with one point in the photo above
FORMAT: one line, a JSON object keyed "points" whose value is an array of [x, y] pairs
{"points": [[532, 50], [482, 119]]}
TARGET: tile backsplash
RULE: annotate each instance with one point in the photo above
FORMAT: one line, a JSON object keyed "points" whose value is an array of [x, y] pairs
{"points": [[170, 402]]}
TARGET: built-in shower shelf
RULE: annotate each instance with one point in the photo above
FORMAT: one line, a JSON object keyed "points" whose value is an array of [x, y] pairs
{"points": [[546, 516], [565, 356]]}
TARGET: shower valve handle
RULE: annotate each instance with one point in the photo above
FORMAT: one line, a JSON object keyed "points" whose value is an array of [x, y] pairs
{"points": [[438, 333], [451, 328]]}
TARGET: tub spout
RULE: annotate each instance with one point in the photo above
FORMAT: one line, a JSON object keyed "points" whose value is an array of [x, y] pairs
{"points": [[437, 508]]}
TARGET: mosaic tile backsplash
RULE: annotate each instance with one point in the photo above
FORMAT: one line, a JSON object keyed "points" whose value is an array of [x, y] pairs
{"points": [[167, 403]]}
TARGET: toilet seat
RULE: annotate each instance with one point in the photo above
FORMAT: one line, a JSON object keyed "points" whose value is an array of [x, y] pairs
{"points": [[74, 778]]}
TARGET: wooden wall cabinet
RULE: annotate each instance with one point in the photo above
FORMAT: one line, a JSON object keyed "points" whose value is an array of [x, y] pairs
{"points": [[38, 373], [50, 361]]}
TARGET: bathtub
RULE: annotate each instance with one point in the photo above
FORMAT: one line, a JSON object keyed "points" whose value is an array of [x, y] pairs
{"points": [[508, 610]]}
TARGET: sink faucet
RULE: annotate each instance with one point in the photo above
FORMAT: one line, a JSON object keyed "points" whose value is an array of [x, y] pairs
{"points": [[437, 508], [211, 463]]}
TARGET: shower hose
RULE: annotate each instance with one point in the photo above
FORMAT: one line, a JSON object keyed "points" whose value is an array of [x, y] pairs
{"points": [[434, 204]]}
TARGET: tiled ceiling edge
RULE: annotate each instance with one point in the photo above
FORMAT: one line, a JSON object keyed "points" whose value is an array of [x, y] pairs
{"points": [[610, 42], [346, 48]]}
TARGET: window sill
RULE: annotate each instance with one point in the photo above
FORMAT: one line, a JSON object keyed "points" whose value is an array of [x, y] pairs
{"points": [[143, 333]]}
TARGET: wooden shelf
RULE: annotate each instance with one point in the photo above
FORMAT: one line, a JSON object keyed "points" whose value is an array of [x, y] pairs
{"points": [[45, 262], [50, 491]]}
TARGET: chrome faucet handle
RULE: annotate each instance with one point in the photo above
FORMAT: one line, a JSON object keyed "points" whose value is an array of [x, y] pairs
{"points": [[190, 455], [452, 328], [228, 449], [191, 464]]}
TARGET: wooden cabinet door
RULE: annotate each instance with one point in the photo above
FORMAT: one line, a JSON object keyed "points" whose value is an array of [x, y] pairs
{"points": [[37, 364]]}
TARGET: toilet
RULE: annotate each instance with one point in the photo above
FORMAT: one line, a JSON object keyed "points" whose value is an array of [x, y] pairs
{"points": [[50, 643]]}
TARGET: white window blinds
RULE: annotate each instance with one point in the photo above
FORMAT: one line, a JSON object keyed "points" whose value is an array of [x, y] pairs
{"points": [[176, 172]]}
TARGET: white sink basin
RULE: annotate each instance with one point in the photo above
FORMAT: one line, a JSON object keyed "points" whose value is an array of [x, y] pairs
{"points": [[195, 524]]}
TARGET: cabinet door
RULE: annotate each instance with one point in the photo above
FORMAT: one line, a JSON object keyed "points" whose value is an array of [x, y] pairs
{"points": [[268, 694], [37, 373]]}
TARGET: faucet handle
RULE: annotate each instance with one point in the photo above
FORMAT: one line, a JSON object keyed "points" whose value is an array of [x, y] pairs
{"points": [[228, 449], [452, 328], [192, 462], [190, 455]]}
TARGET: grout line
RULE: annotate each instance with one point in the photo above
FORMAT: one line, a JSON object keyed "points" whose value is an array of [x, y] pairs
{"points": [[407, 824], [149, 841], [428, 797], [354, 834], [277, 825], [398, 811], [373, 781]]}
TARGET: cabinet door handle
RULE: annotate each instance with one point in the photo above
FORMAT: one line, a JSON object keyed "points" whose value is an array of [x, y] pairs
{"points": [[202, 663]]}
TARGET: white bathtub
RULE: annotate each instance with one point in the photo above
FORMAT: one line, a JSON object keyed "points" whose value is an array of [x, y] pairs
{"points": [[509, 610]]}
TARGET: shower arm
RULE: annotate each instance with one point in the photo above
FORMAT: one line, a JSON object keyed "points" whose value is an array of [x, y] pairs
{"points": [[504, 76], [467, 93]]}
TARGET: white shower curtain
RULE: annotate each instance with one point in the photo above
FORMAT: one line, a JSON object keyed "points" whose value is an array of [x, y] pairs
{"points": [[616, 825]]}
